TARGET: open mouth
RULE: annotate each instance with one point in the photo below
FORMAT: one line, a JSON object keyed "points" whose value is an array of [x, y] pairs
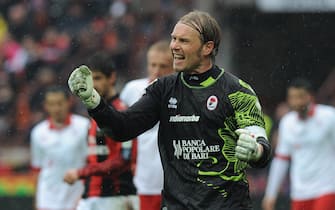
{"points": [[178, 57]]}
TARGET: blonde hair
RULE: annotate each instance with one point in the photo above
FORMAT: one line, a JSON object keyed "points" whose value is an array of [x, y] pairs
{"points": [[206, 25], [161, 46]]}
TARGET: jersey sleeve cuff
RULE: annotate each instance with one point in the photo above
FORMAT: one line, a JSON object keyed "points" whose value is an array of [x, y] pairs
{"points": [[266, 156]]}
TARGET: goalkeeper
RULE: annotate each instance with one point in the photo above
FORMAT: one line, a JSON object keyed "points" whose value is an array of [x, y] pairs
{"points": [[211, 124]]}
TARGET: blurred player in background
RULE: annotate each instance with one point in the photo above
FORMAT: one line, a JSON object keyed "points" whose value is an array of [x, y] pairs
{"points": [[58, 144], [307, 142], [149, 172], [108, 175]]}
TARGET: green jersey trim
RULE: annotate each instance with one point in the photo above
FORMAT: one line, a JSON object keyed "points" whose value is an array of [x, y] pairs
{"points": [[208, 82]]}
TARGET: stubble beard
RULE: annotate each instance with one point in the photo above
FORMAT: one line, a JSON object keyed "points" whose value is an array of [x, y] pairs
{"points": [[190, 69]]}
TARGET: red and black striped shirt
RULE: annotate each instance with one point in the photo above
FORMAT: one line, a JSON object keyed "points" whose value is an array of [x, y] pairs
{"points": [[109, 169]]}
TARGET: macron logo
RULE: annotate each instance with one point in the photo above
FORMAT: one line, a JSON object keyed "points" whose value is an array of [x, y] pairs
{"points": [[179, 118]]}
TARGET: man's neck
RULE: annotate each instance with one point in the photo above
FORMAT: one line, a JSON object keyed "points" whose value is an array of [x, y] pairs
{"points": [[203, 79], [204, 66], [308, 112], [110, 94], [59, 123]]}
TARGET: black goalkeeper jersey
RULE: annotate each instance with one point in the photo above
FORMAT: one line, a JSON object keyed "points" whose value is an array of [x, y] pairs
{"points": [[198, 115]]}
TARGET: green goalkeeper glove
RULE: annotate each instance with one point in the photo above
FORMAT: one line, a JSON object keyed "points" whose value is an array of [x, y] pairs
{"points": [[247, 148], [81, 84]]}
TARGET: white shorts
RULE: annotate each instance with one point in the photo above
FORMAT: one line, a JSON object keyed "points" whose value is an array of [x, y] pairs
{"points": [[122, 202]]}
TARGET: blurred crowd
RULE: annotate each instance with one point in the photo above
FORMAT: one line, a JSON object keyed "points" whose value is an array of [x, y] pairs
{"points": [[42, 41]]}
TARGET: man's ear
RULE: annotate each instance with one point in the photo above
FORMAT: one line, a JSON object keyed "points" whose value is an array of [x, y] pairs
{"points": [[208, 48]]}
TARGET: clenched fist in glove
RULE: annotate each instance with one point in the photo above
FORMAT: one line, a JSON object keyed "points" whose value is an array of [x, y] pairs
{"points": [[247, 148], [81, 84]]}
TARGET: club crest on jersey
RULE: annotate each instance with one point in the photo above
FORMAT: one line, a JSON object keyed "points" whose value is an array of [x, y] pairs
{"points": [[212, 102]]}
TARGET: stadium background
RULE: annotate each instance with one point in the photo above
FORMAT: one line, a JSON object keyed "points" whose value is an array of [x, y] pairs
{"points": [[265, 42]]}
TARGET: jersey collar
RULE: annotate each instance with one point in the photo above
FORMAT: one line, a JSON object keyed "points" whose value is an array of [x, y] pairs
{"points": [[202, 80], [310, 112], [67, 122]]}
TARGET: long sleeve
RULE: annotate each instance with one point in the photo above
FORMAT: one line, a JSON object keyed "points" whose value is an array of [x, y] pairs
{"points": [[118, 161], [128, 124], [277, 174], [36, 152], [102, 168], [107, 167]]}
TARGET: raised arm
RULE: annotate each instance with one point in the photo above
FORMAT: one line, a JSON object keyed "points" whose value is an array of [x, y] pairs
{"points": [[124, 125]]}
